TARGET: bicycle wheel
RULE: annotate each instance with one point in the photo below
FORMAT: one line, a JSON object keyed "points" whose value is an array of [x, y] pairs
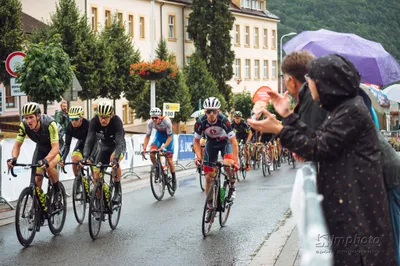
{"points": [[79, 199], [264, 165], [115, 210], [96, 211], [226, 205], [202, 178], [57, 211], [211, 196], [169, 185], [26, 217], [157, 184]]}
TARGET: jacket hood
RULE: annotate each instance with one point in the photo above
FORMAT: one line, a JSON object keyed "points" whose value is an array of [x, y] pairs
{"points": [[336, 78]]}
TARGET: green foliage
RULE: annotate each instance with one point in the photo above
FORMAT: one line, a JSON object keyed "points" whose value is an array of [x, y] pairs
{"points": [[210, 25], [11, 36], [243, 102], [162, 50], [46, 73], [376, 20]]}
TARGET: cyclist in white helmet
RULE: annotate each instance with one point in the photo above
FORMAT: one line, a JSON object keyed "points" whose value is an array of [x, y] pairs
{"points": [[164, 139], [220, 138]]}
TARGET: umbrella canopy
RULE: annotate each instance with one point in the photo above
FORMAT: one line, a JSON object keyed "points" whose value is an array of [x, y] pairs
{"points": [[375, 65], [393, 92], [197, 113]]}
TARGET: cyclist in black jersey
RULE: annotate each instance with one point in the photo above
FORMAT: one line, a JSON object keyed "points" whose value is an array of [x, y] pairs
{"points": [[243, 133], [108, 128], [220, 138], [43, 130], [78, 128]]}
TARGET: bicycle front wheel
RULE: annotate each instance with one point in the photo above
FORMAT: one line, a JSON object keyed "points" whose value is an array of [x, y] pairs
{"points": [[96, 211], [57, 210], [79, 199], [212, 198], [226, 205], [157, 184], [26, 217], [115, 211], [202, 178]]}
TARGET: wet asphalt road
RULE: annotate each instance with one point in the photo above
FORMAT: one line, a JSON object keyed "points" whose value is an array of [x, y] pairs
{"points": [[166, 232]]}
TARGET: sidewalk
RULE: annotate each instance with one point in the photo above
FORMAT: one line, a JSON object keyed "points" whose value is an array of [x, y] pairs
{"points": [[129, 182], [282, 246]]}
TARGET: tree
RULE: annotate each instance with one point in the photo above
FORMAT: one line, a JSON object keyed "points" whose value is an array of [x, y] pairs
{"points": [[11, 35], [210, 26], [121, 55], [46, 73], [243, 102]]}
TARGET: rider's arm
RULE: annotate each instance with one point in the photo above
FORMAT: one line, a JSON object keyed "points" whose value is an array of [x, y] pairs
{"points": [[119, 139], [249, 136], [90, 139], [198, 132], [169, 132], [54, 140], [67, 145], [148, 134], [231, 135], [197, 148]]}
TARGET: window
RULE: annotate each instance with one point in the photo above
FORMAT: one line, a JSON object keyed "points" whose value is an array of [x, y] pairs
{"points": [[247, 3], [237, 34], [11, 101], [246, 35], [265, 69], [256, 69], [107, 18], [253, 4], [273, 39], [238, 71], [256, 38], [188, 38], [273, 69], [247, 68], [171, 26], [265, 38], [94, 19], [130, 25], [120, 17], [141, 27], [260, 5]]}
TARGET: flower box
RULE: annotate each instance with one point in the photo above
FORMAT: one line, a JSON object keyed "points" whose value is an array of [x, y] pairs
{"points": [[154, 75], [155, 70]]}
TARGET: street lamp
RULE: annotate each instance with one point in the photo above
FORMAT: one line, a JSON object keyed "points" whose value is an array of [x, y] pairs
{"points": [[152, 83], [280, 70]]}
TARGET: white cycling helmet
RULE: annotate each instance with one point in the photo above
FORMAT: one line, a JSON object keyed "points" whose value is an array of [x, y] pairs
{"points": [[211, 103], [155, 111]]}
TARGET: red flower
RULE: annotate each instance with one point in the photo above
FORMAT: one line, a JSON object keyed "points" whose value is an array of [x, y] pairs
{"points": [[146, 68]]}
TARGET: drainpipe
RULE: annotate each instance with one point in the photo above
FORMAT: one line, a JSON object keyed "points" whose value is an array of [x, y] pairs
{"points": [[86, 8], [161, 19], [184, 35]]}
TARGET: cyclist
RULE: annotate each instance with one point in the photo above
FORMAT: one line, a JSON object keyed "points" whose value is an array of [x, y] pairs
{"points": [[220, 138], [43, 130], [164, 139], [78, 128], [106, 127], [243, 133]]}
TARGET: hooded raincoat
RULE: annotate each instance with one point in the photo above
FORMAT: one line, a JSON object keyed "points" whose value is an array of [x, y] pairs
{"points": [[350, 176]]}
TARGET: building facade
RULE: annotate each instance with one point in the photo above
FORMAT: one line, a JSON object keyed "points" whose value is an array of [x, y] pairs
{"points": [[254, 35]]}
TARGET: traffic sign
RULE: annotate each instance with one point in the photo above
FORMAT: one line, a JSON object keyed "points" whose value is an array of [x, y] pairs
{"points": [[168, 113], [13, 60], [171, 107], [15, 88]]}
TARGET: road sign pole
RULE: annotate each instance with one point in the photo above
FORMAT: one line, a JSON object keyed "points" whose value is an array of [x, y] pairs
{"points": [[20, 108]]}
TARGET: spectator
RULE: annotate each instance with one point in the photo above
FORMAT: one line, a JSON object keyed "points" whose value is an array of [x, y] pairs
{"points": [[61, 116], [350, 171]]}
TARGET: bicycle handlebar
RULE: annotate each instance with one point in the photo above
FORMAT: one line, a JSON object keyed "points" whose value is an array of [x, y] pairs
{"points": [[11, 169]]}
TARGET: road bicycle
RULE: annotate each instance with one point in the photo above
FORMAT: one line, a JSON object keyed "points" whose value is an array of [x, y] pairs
{"points": [[242, 161], [100, 203], [160, 176], [200, 170], [34, 207], [80, 191], [219, 195], [291, 160], [265, 160]]}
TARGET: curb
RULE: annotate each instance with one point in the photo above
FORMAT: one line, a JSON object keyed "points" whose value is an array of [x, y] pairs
{"points": [[282, 246]]}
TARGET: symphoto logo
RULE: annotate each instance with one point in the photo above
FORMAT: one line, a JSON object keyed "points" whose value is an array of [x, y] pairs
{"points": [[341, 241]]}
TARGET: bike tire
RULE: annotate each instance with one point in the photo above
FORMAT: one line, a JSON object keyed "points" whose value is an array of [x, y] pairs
{"points": [[264, 165], [169, 187], [212, 194], [115, 211], [160, 186], [202, 178], [59, 214], [225, 207], [79, 217], [21, 205], [96, 206]]}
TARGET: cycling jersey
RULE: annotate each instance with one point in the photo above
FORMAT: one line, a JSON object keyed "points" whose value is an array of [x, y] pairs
{"points": [[242, 129], [164, 127], [80, 133], [220, 130], [47, 134], [112, 135]]}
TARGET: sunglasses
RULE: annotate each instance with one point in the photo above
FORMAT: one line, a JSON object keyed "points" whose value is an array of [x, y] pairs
{"points": [[104, 116], [74, 119], [211, 111], [155, 118]]}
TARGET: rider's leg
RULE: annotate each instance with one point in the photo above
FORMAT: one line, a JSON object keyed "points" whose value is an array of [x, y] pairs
{"points": [[247, 156], [153, 147], [170, 155], [117, 179], [76, 157]]}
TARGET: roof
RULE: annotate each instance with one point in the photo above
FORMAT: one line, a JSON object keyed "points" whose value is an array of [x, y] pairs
{"points": [[236, 9], [29, 24]]}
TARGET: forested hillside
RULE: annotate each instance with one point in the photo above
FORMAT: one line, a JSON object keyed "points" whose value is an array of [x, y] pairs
{"points": [[377, 20]]}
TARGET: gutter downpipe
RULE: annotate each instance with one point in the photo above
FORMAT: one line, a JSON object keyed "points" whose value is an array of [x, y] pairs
{"points": [[183, 36], [161, 19]]}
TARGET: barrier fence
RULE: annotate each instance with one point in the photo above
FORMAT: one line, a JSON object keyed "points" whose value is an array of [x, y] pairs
{"points": [[11, 187]]}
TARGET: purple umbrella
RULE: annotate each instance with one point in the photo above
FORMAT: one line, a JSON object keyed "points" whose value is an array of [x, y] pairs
{"points": [[375, 65]]}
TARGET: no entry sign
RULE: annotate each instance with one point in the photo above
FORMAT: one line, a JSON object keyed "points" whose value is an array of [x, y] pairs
{"points": [[13, 60]]}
